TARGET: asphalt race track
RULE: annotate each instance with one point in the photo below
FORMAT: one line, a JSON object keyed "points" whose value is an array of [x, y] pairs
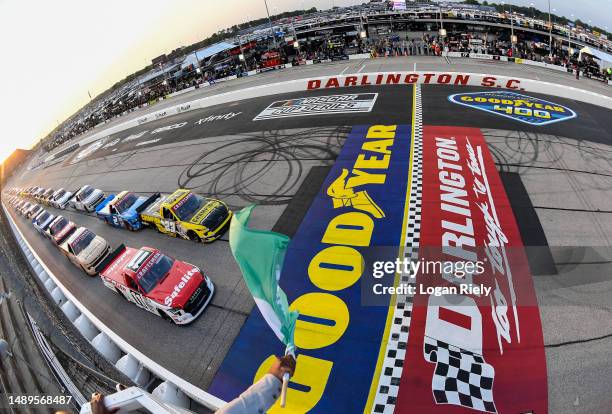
{"points": [[558, 178]]}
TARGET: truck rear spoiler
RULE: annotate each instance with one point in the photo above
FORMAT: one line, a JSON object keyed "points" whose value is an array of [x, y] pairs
{"points": [[110, 258], [147, 202], [67, 235], [103, 203]]}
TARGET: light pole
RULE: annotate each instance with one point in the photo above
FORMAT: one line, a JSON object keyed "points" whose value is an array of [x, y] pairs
{"points": [[270, 21], [296, 44], [442, 30], [362, 32], [549, 34], [242, 57], [569, 39], [513, 38], [199, 67]]}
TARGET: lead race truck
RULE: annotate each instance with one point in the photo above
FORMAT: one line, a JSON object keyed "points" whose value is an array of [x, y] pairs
{"points": [[158, 283], [188, 215]]}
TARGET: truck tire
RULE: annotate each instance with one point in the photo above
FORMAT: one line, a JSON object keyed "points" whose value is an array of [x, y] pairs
{"points": [[193, 236], [165, 317]]}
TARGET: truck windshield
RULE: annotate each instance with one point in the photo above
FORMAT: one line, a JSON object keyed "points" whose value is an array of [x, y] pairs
{"points": [[188, 206], [82, 242], [86, 193], [42, 217], [125, 202], [60, 224], [215, 217], [156, 272]]}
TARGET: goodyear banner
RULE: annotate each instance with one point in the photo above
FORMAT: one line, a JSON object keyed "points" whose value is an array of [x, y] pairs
{"points": [[516, 106], [361, 204], [472, 352]]}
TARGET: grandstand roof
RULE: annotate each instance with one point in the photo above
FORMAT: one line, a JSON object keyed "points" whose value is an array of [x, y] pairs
{"points": [[606, 58], [207, 52], [155, 74]]}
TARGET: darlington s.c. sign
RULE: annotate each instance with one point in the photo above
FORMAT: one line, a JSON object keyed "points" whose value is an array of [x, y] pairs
{"points": [[409, 78]]}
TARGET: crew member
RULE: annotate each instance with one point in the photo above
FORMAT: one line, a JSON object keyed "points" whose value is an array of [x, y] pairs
{"points": [[258, 398]]}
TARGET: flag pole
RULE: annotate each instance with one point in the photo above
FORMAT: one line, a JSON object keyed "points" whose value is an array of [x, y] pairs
{"points": [[284, 389], [286, 376]]}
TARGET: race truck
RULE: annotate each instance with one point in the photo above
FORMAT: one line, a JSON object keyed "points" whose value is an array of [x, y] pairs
{"points": [[124, 210], [33, 211], [24, 207], [158, 283], [42, 221], [18, 203], [59, 229], [86, 250], [37, 193], [46, 196], [87, 199], [188, 215], [60, 198], [62, 202]]}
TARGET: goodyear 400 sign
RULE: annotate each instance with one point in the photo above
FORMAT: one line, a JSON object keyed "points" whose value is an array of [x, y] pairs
{"points": [[522, 108]]}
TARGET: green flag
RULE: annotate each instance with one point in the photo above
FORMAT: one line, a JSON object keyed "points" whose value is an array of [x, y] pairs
{"points": [[260, 255]]}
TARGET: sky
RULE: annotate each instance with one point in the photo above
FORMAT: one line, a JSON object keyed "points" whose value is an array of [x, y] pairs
{"points": [[55, 52]]}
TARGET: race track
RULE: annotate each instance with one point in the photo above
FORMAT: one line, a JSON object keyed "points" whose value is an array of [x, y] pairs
{"points": [[558, 179]]}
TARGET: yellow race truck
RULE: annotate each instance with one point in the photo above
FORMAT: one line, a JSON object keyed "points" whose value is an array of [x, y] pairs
{"points": [[188, 215]]}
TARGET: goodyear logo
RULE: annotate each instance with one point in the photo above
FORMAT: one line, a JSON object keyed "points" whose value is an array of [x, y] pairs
{"points": [[343, 195], [360, 205], [522, 108]]}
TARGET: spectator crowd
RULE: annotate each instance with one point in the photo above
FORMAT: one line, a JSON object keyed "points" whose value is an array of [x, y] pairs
{"points": [[267, 53]]}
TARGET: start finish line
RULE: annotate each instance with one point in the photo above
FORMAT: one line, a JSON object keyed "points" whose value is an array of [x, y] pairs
{"points": [[464, 352]]}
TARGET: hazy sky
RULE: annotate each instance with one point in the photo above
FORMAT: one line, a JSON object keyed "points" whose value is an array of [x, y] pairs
{"points": [[55, 51]]}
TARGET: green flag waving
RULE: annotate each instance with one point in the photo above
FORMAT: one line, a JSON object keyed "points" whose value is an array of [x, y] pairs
{"points": [[260, 255]]}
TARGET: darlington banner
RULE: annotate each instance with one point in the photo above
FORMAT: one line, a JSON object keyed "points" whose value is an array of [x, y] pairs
{"points": [[483, 353]]}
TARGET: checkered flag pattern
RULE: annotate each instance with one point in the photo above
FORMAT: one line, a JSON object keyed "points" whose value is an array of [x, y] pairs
{"points": [[461, 377], [395, 351]]}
